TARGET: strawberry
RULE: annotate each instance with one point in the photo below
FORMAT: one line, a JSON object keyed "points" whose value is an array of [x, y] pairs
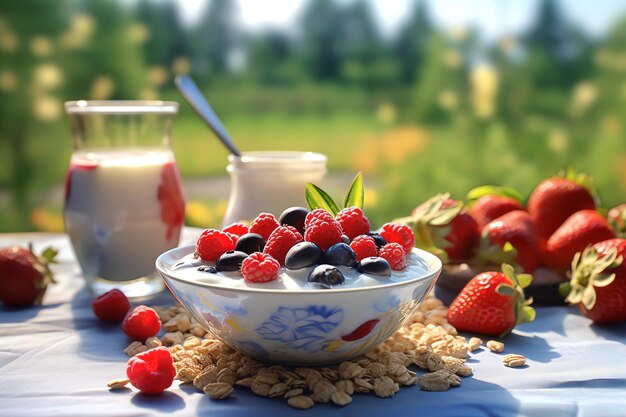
{"points": [[617, 220], [487, 203], [598, 281], [510, 238], [554, 200], [24, 277], [441, 227], [492, 303], [583, 228]]}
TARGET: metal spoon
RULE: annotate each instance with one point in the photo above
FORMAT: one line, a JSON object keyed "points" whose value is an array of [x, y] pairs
{"points": [[198, 102]]}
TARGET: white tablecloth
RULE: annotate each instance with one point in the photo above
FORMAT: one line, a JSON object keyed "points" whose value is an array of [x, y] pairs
{"points": [[55, 360]]}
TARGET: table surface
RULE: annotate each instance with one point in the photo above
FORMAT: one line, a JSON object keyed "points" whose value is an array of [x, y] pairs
{"points": [[56, 360]]}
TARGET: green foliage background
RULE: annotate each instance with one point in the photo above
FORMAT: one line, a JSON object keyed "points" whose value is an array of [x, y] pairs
{"points": [[426, 111]]}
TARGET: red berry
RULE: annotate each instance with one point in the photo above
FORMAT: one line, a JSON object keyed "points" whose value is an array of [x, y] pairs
{"points": [[151, 372], [212, 244], [364, 246], [141, 323], [112, 306], [316, 215], [353, 222], [260, 267], [394, 254], [323, 233], [264, 225], [237, 229], [280, 241], [399, 233]]}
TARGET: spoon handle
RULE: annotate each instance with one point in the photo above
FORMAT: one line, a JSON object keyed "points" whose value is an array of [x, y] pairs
{"points": [[198, 102]]}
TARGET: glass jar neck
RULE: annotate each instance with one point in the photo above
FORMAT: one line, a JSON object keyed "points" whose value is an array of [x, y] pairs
{"points": [[121, 124]]}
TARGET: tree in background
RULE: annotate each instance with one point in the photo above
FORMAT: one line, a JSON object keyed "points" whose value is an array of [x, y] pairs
{"points": [[411, 44], [320, 32], [106, 62], [360, 46], [166, 38], [30, 83], [556, 55], [215, 39], [270, 58]]}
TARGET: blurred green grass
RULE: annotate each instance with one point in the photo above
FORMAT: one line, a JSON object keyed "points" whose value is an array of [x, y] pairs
{"points": [[404, 164]]}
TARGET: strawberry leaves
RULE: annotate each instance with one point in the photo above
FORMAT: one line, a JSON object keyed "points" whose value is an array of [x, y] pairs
{"points": [[318, 198], [431, 224], [478, 192], [523, 311], [589, 271]]}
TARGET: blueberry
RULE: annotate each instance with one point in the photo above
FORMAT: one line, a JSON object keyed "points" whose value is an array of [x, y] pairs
{"points": [[340, 254], [345, 239], [302, 255], [294, 216], [230, 261], [209, 269], [374, 265], [326, 276], [378, 239], [250, 243]]}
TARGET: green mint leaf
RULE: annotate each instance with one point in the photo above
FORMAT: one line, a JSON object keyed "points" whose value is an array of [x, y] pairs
{"points": [[318, 198], [356, 193]]}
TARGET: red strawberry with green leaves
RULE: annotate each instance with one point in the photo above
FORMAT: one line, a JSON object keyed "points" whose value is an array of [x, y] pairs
{"points": [[488, 202], [492, 303], [581, 229], [598, 281], [510, 238], [617, 220], [441, 227], [557, 198], [24, 276]]}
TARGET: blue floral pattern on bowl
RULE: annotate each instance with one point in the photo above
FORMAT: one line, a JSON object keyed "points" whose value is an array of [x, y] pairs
{"points": [[302, 328]]}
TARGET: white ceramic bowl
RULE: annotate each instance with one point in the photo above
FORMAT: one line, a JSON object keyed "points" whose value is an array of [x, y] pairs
{"points": [[308, 327]]}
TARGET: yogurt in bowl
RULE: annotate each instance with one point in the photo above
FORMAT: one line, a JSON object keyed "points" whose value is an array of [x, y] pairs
{"points": [[294, 322]]}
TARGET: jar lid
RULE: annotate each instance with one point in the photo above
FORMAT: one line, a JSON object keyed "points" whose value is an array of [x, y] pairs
{"points": [[277, 161]]}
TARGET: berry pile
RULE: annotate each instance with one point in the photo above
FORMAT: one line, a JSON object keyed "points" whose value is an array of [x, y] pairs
{"points": [[299, 239]]}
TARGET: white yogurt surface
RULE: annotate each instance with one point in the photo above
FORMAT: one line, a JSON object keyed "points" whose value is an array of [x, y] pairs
{"points": [[296, 280]]}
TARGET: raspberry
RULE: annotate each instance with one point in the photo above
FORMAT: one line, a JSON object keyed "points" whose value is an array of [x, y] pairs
{"points": [[264, 225], [316, 215], [111, 306], [323, 233], [151, 372], [237, 229], [394, 254], [280, 241], [399, 233], [212, 244], [260, 267], [364, 247], [141, 323], [353, 222]]}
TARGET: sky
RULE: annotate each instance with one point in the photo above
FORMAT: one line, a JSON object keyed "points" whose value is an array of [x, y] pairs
{"points": [[493, 17]]}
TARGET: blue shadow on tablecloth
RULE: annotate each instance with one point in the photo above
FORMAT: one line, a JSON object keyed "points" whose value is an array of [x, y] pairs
{"points": [[166, 401], [493, 401], [111, 341], [22, 314]]}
